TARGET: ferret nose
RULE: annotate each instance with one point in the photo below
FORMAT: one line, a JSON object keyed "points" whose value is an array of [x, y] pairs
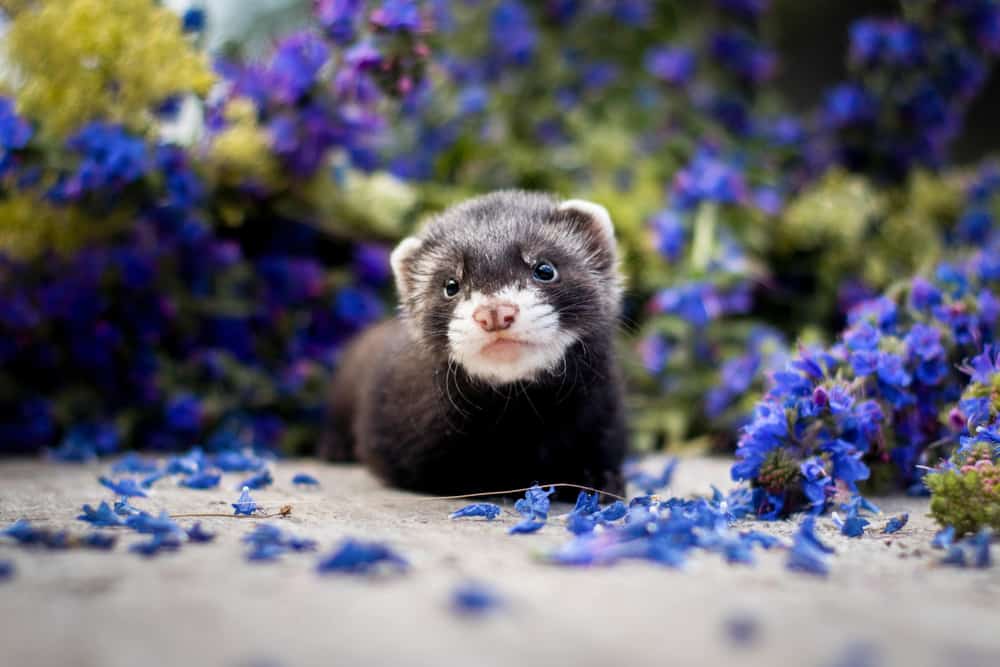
{"points": [[495, 317]]}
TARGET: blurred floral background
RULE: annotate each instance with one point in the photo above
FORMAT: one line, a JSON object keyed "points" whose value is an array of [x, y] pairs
{"points": [[197, 201]]}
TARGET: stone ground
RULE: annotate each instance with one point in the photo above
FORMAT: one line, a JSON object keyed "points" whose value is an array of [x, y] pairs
{"points": [[884, 603]]}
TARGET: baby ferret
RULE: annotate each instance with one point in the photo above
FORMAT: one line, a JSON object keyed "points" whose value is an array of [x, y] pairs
{"points": [[499, 370]]}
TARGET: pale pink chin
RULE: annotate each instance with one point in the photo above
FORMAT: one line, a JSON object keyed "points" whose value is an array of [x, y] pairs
{"points": [[504, 349]]}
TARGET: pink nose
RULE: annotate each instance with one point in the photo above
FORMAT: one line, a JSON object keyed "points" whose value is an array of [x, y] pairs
{"points": [[495, 317]]}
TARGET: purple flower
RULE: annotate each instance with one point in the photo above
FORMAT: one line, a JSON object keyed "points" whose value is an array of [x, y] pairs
{"points": [[357, 557], [110, 159], [849, 104], [184, 413], [397, 16], [513, 36], [669, 234], [489, 511], [124, 487], [339, 19], [295, 66], [245, 504], [709, 178], [674, 65]]}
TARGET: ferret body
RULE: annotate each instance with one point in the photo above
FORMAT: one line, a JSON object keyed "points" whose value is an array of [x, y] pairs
{"points": [[499, 370]]}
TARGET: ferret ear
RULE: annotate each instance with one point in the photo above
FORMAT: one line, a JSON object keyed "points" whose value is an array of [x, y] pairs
{"points": [[402, 264], [595, 223]]}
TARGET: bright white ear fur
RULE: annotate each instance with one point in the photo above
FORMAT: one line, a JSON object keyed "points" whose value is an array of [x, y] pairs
{"points": [[596, 212], [399, 258]]}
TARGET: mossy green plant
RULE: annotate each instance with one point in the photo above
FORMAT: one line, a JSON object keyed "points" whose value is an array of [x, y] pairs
{"points": [[966, 495]]}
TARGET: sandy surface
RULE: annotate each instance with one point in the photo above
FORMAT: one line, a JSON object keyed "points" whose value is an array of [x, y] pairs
{"points": [[884, 603]]}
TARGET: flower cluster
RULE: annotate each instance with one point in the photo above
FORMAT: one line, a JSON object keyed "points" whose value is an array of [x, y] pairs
{"points": [[879, 398]]}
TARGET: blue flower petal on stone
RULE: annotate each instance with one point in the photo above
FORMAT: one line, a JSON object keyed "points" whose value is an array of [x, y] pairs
{"points": [[852, 526], [489, 511], [765, 540], [101, 541], [955, 556], [132, 463], [103, 516], [266, 552], [652, 483], [22, 531], [981, 548], [159, 525], [943, 538], [258, 481], [586, 503], [808, 554], [245, 504], [264, 533], [614, 511], [356, 557], [302, 479], [233, 461], [153, 478], [301, 543], [6, 569], [123, 508], [895, 524], [187, 464], [526, 526], [123, 487], [57, 540], [474, 599], [157, 544], [202, 480], [535, 504], [198, 534], [578, 524]]}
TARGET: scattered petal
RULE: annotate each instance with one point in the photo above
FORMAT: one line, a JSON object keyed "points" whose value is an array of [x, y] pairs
{"points": [[126, 486], [535, 504], [132, 463], [258, 481], [158, 543], [489, 511], [356, 557], [101, 541], [103, 516], [895, 524], [527, 526], [198, 534], [202, 480], [245, 504], [302, 479], [944, 538], [6, 569], [474, 599]]}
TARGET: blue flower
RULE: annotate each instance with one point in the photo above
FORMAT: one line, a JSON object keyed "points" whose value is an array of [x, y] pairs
{"points": [[100, 541], [474, 599], [339, 19], [149, 480], [135, 464], [651, 483], [487, 510], [258, 481], [295, 66], [198, 534], [535, 504], [808, 554], [673, 65], [849, 104], [396, 16], [102, 516], [126, 486], [147, 523], [201, 480], [193, 19], [123, 508], [816, 483], [895, 523], [527, 526], [110, 160], [157, 544], [513, 36], [357, 557], [944, 538], [302, 479], [245, 504]]}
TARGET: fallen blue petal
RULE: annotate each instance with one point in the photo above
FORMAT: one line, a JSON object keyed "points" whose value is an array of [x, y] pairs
{"points": [[6, 569], [103, 516], [527, 526], [304, 480], [100, 541], [134, 464], [149, 480], [651, 483], [123, 487], [266, 552], [189, 464], [232, 461], [198, 534], [474, 599], [123, 508], [955, 556], [742, 629], [22, 531], [808, 554], [202, 480], [301, 543], [157, 544], [245, 504], [895, 524], [852, 526], [258, 481], [356, 557], [614, 511], [148, 524], [58, 540], [264, 533], [981, 548], [578, 524], [765, 540], [535, 504], [943, 538], [489, 511]]}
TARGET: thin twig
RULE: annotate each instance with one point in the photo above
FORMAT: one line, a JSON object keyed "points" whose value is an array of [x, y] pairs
{"points": [[527, 488], [284, 511]]}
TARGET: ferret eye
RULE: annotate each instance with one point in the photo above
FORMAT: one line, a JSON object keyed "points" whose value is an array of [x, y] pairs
{"points": [[544, 272], [451, 288]]}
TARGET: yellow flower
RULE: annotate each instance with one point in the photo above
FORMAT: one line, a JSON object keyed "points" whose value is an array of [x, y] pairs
{"points": [[75, 61], [30, 226]]}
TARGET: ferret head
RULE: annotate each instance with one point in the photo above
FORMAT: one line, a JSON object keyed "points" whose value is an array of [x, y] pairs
{"points": [[506, 283]]}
